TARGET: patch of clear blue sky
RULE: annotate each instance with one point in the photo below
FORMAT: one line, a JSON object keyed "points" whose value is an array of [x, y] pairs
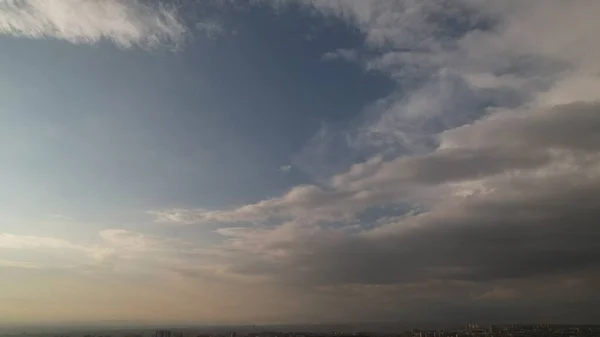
{"points": [[93, 131]]}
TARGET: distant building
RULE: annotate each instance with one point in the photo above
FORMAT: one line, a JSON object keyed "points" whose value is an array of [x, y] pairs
{"points": [[163, 333]]}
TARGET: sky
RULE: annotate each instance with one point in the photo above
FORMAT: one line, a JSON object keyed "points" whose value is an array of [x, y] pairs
{"points": [[299, 161]]}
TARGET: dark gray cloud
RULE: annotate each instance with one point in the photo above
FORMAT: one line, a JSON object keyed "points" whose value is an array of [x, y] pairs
{"points": [[483, 240], [570, 126], [511, 141], [528, 232]]}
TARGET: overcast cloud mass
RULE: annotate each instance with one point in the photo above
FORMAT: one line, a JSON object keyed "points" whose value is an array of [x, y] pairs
{"points": [[300, 161]]}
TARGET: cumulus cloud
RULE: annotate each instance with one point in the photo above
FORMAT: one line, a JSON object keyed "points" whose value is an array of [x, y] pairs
{"points": [[125, 23]]}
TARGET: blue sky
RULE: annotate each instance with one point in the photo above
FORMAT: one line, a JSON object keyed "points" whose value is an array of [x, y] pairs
{"points": [[209, 125], [322, 160]]}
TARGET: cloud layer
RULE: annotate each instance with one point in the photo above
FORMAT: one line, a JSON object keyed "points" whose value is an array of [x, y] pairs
{"points": [[478, 198], [490, 143]]}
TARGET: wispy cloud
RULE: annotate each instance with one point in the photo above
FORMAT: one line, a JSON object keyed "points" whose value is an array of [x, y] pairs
{"points": [[44, 243], [212, 28], [17, 264], [341, 54], [111, 251], [23, 242], [123, 22]]}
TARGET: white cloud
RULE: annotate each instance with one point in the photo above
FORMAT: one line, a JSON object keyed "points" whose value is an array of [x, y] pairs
{"points": [[123, 22]]}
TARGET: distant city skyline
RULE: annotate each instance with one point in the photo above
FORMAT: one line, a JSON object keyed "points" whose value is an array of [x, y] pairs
{"points": [[469, 330]]}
